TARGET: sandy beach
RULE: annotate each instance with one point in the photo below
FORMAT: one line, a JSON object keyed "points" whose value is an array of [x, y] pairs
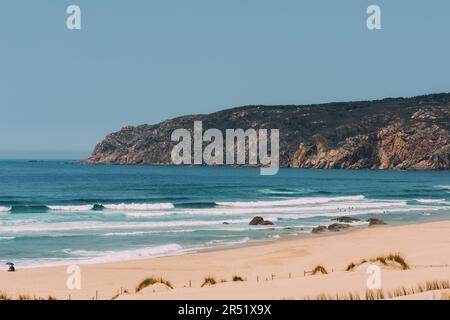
{"points": [[270, 270]]}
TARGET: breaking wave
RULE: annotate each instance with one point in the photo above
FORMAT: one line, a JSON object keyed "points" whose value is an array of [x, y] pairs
{"points": [[138, 206], [433, 201], [290, 202], [7, 238], [86, 225], [71, 208], [5, 209]]}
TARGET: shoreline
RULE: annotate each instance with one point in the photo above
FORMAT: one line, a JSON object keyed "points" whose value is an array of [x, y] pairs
{"points": [[250, 243], [189, 251], [272, 269]]}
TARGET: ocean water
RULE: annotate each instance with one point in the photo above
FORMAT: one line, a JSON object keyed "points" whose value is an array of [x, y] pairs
{"points": [[59, 212]]}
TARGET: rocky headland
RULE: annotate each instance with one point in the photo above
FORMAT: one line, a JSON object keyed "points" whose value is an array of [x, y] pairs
{"points": [[393, 133]]}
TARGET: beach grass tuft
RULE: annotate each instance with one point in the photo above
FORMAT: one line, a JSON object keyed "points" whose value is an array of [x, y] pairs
{"points": [[151, 281], [397, 292], [237, 278], [209, 281], [114, 297], [119, 293], [4, 296], [348, 296], [437, 285], [374, 295], [24, 297], [384, 260], [319, 269]]}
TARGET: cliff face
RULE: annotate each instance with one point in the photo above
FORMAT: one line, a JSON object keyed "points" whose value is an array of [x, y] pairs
{"points": [[412, 133]]}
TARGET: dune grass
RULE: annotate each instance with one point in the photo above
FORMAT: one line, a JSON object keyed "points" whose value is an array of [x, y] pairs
{"points": [[209, 281], [24, 297], [4, 296], [348, 296], [420, 288], [319, 269], [352, 265], [114, 297], [384, 260], [397, 292], [119, 293], [151, 281], [374, 295], [237, 278]]}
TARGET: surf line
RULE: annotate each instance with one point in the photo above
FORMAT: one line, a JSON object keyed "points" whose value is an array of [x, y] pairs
{"points": [[236, 144]]}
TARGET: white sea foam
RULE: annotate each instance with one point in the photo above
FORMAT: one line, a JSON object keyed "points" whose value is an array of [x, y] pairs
{"points": [[138, 206], [228, 242], [290, 202], [342, 208], [445, 187], [95, 257], [7, 238], [71, 208], [86, 225], [353, 213], [272, 191], [114, 207], [435, 201], [88, 257], [143, 214], [137, 233]]}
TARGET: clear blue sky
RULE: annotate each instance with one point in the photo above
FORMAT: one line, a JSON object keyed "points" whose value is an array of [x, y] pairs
{"points": [[138, 62]]}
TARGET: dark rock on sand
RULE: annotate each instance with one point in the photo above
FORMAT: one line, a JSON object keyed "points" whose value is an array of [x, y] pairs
{"points": [[319, 229], [259, 221], [375, 222], [338, 227], [346, 219]]}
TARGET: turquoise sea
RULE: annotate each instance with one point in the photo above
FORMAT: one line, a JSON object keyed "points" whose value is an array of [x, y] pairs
{"points": [[55, 212]]}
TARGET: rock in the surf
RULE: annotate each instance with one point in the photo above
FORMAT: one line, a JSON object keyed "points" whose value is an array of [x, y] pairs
{"points": [[259, 221], [338, 227], [346, 219], [319, 229], [375, 222]]}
